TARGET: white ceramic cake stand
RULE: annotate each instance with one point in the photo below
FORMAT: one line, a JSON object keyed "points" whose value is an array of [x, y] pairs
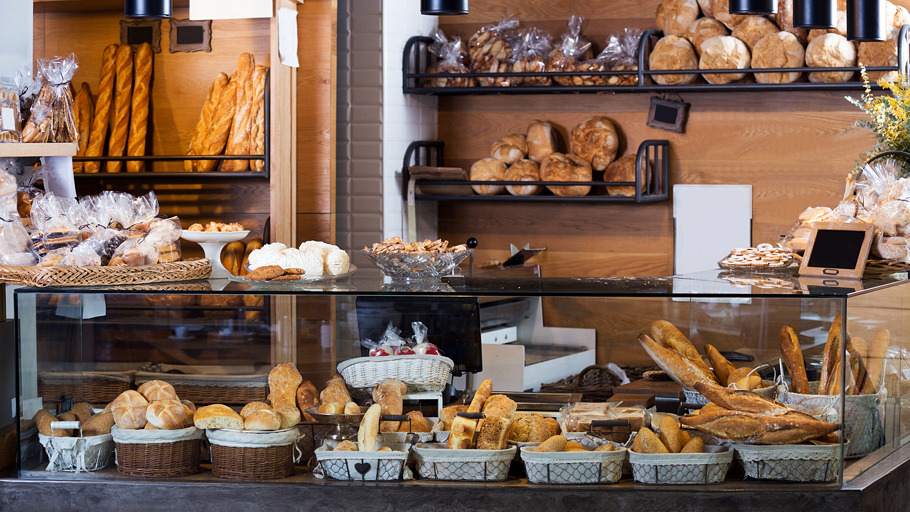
{"points": [[212, 243]]}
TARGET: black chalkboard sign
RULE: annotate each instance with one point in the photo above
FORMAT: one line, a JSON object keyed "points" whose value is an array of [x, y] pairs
{"points": [[837, 249]]}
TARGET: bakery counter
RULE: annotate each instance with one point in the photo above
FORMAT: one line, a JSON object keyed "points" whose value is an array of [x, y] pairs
{"points": [[881, 489]]}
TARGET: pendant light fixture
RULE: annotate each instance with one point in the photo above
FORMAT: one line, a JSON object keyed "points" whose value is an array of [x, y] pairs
{"points": [[146, 9], [866, 20], [757, 7], [443, 7], [815, 13]]}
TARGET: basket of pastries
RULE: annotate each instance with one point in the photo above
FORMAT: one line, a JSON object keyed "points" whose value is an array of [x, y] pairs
{"points": [[231, 385], [862, 371], [560, 461], [429, 259], [369, 459], [416, 362], [674, 456], [76, 440], [154, 432]]}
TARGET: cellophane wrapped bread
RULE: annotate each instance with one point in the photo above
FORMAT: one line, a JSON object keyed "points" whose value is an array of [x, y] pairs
{"points": [[490, 49], [724, 52], [529, 55], [778, 50], [53, 117], [702, 29], [675, 16], [620, 53], [571, 50], [830, 50], [672, 52], [450, 54]]}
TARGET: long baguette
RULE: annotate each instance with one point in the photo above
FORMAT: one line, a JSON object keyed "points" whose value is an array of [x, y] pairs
{"points": [[257, 130], [217, 135], [741, 400], [669, 336], [722, 367], [369, 429], [120, 125], [197, 144], [102, 114], [239, 139], [793, 359], [83, 110], [878, 350], [748, 427], [139, 111], [831, 355], [679, 368]]}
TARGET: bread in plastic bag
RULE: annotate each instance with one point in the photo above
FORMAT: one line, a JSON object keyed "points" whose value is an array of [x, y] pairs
{"points": [[490, 49], [9, 112], [52, 116], [14, 243], [571, 49], [450, 55], [621, 54], [530, 49]]}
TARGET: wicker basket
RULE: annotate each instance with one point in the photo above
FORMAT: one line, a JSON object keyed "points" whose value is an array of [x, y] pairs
{"points": [[419, 372], [75, 454], [362, 466], [311, 437], [267, 455], [792, 462], [595, 383], [104, 276], [435, 462], [767, 389], [682, 468], [212, 384], [573, 467], [163, 454], [94, 387]]}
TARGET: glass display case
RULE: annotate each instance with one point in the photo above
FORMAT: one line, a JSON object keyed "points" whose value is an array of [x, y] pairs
{"points": [[216, 341]]}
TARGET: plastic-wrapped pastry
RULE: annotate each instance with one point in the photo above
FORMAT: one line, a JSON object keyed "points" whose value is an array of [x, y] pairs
{"points": [[450, 54], [571, 49], [490, 49], [529, 55]]}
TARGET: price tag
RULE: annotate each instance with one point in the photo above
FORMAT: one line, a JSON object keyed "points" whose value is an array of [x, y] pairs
{"points": [[7, 118], [837, 250]]}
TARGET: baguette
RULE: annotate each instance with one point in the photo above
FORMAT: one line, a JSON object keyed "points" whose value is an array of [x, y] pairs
{"points": [[121, 117], [835, 379], [83, 110], [102, 113], [239, 137], [205, 120], [878, 349], [679, 368], [670, 434], [831, 354], [369, 429], [793, 359], [646, 441], [480, 396], [217, 133], [722, 367], [139, 111], [670, 337], [740, 400], [257, 128], [747, 427]]}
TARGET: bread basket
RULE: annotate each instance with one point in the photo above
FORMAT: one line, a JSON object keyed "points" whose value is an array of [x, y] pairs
{"points": [[791, 462], [709, 467], [435, 462], [573, 467], [157, 453], [362, 466], [253, 455], [420, 372], [76, 454]]}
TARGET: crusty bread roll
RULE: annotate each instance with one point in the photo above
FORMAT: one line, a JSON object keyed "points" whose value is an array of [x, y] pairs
{"points": [[541, 140], [721, 9], [523, 170], [83, 110], [499, 405], [139, 110], [554, 444], [447, 415], [335, 379], [784, 19], [388, 395], [123, 70], [830, 50], [840, 30], [336, 393], [103, 105], [560, 167], [166, 414], [346, 446], [263, 419], [330, 408], [98, 424], [252, 407], [529, 428], [217, 416], [723, 52], [283, 382], [157, 390], [646, 441], [597, 141], [190, 413], [83, 411], [307, 397], [289, 414], [752, 29], [43, 421], [351, 408], [493, 433], [510, 148], [129, 410], [555, 429], [675, 16], [369, 429], [623, 169], [418, 423], [706, 8], [884, 53], [702, 29], [778, 50], [488, 169], [673, 52]]}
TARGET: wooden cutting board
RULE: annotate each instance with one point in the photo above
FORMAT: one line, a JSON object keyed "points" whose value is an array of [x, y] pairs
{"points": [[660, 389]]}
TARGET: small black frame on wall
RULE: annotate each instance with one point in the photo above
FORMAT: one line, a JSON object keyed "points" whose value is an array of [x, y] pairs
{"points": [[136, 32], [187, 36], [668, 114]]}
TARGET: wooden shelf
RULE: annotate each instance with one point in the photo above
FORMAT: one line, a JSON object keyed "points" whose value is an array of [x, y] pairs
{"points": [[18, 150]]}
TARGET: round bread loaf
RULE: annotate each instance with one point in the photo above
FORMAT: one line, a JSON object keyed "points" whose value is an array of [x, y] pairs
{"points": [[752, 29], [706, 8], [555, 430], [98, 424], [283, 381], [217, 416], [623, 169], [830, 50], [675, 16], [841, 27], [510, 148], [529, 428], [351, 408], [129, 410], [884, 53], [723, 52], [897, 15], [263, 419], [330, 408], [488, 169], [560, 167], [784, 19], [541, 140], [523, 170], [83, 411], [252, 407], [499, 405], [157, 390], [672, 52], [778, 50], [289, 415], [346, 446], [702, 29], [721, 9], [336, 393], [166, 414], [597, 141]]}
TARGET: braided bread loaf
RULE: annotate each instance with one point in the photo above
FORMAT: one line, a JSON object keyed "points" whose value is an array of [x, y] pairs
{"points": [[239, 139], [197, 144], [140, 107], [123, 70]]}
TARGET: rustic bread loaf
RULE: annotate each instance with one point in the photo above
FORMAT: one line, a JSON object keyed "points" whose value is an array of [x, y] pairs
{"points": [[488, 169], [675, 16], [752, 29], [560, 167], [596, 140], [523, 170], [541, 140], [672, 52], [723, 52], [702, 29], [778, 50], [830, 50]]}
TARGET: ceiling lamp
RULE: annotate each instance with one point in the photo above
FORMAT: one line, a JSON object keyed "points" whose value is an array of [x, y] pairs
{"points": [[146, 9], [757, 7], [866, 20], [443, 7], [815, 13]]}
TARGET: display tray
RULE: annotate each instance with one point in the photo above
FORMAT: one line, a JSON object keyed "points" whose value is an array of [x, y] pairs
{"points": [[214, 236], [105, 276], [289, 285]]}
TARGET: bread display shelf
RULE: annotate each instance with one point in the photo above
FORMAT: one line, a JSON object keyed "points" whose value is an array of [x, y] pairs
{"points": [[105, 276], [417, 59], [651, 185], [37, 149]]}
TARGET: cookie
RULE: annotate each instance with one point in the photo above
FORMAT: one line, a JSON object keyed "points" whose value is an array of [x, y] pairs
{"points": [[265, 273]]}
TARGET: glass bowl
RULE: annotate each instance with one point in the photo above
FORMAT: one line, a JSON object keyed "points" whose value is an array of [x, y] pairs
{"points": [[417, 266]]}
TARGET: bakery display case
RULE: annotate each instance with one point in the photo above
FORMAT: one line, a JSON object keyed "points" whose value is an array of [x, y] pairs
{"points": [[89, 345]]}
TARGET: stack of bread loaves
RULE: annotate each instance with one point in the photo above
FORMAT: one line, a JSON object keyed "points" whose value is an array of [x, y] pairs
{"points": [[154, 406], [491, 432], [92, 424]]}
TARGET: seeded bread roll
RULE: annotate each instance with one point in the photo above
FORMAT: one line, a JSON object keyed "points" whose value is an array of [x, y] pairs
{"points": [[554, 444], [43, 421], [560, 167], [541, 140], [723, 52], [830, 50], [488, 169], [523, 170], [139, 111], [123, 70], [597, 141], [778, 50], [675, 16], [752, 29], [510, 148], [702, 29], [103, 106], [673, 52], [493, 433], [83, 411], [98, 424]]}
